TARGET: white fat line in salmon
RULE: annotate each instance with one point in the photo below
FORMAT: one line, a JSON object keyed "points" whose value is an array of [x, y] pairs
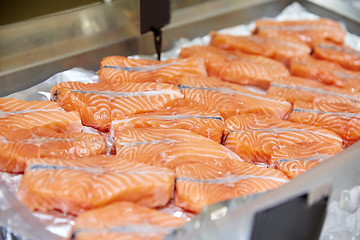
{"points": [[319, 157], [141, 68], [168, 117], [299, 27], [315, 90], [229, 91], [283, 130], [138, 229], [337, 73], [5, 113], [50, 139], [130, 144], [339, 49], [229, 179], [341, 114], [129, 94]]}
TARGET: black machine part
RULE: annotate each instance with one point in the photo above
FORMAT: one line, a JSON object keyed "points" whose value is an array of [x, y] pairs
{"points": [[154, 14], [294, 219]]}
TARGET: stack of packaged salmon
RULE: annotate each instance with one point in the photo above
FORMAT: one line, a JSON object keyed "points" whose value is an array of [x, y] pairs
{"points": [[186, 131]]}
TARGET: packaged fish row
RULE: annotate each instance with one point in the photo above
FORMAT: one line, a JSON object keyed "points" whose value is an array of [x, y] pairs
{"points": [[185, 131]]}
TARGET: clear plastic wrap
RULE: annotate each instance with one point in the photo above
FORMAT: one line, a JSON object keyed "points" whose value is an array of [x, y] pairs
{"points": [[16, 219]]}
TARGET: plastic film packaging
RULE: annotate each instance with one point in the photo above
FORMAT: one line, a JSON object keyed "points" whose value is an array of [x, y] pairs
{"points": [[18, 220]]}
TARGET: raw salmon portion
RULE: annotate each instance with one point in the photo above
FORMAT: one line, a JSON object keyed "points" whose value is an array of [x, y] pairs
{"points": [[341, 118], [308, 31], [170, 148], [229, 99], [345, 56], [73, 186], [326, 72], [254, 138], [124, 220], [296, 88], [99, 103], [15, 113], [237, 67], [300, 157], [277, 49], [179, 114], [198, 186], [16, 146], [119, 69]]}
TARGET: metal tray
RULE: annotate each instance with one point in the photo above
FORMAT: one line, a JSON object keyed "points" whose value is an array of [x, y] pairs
{"points": [[34, 50]]}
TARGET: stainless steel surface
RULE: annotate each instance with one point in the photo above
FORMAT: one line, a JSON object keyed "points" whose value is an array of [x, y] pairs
{"points": [[34, 50]]}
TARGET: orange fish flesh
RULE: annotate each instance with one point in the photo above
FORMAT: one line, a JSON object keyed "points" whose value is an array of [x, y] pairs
{"points": [[296, 88], [345, 56], [310, 31], [179, 114], [255, 137], [73, 186], [326, 72], [98, 103], [341, 118], [15, 113], [277, 49], [18, 145], [237, 67], [300, 157], [230, 99], [124, 220], [198, 186], [170, 148], [119, 69]]}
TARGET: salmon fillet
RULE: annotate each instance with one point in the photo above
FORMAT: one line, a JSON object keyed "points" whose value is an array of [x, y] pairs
{"points": [[98, 103], [326, 72], [296, 88], [124, 220], [229, 99], [309, 31], [16, 146], [277, 49], [73, 186], [170, 148], [119, 69], [341, 118], [237, 67], [198, 186], [254, 138], [345, 56], [176, 114], [297, 158], [15, 114]]}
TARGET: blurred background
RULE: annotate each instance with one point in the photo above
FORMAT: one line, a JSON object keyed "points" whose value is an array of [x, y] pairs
{"points": [[12, 11]]}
